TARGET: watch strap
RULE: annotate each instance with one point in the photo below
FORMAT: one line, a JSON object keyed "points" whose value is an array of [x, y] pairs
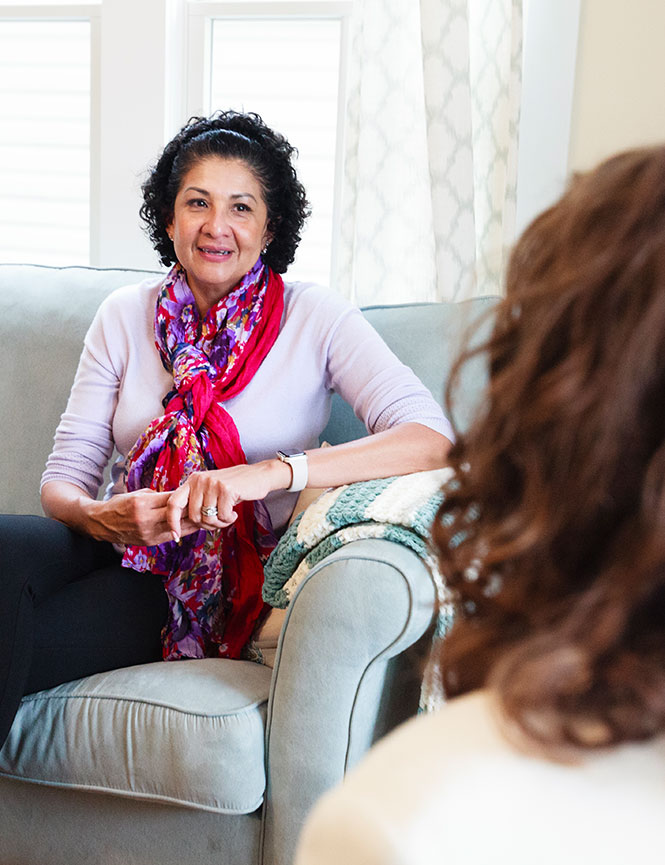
{"points": [[298, 462]]}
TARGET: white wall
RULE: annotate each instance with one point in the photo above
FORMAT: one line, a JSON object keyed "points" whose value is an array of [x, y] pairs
{"points": [[618, 96]]}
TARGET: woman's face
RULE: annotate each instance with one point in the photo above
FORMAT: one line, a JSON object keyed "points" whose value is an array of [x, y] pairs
{"points": [[219, 226]]}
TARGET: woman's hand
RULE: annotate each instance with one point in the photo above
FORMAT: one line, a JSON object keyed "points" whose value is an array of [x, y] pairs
{"points": [[222, 489], [138, 517], [128, 518]]}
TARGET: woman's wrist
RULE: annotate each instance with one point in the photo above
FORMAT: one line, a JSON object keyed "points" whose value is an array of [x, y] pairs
{"points": [[90, 516], [68, 504], [280, 474]]}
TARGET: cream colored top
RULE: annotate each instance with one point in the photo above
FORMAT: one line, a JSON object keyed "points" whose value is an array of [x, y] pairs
{"points": [[448, 788]]}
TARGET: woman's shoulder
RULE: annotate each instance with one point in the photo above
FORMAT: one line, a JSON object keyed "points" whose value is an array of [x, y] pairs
{"points": [[316, 312], [464, 727], [388, 810], [451, 787], [129, 300], [125, 318], [468, 738], [417, 757], [304, 298]]}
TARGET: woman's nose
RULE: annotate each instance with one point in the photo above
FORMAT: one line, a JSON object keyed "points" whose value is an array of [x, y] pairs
{"points": [[216, 222]]}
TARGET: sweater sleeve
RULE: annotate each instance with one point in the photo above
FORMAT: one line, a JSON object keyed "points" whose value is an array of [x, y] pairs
{"points": [[382, 391], [83, 441]]}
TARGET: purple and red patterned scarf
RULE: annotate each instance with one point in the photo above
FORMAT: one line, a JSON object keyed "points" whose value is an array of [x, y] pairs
{"points": [[213, 579]]}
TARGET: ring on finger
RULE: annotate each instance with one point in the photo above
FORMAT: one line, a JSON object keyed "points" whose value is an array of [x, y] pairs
{"points": [[209, 511]]}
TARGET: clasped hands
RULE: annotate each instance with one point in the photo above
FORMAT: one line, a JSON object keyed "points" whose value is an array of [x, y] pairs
{"points": [[206, 500]]}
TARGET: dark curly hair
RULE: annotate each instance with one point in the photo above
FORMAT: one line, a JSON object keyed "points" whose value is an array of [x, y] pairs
{"points": [[230, 135], [552, 536]]}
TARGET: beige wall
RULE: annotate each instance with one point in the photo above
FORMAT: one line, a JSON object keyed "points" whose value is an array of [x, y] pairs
{"points": [[619, 97]]}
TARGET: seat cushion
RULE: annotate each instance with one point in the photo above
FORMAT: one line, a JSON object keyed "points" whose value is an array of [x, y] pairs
{"points": [[187, 732]]}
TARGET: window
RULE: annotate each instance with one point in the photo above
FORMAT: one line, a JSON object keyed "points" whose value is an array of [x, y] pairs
{"points": [[45, 141], [284, 61]]}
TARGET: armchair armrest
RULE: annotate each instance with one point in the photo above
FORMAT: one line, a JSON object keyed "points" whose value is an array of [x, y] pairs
{"points": [[340, 678]]}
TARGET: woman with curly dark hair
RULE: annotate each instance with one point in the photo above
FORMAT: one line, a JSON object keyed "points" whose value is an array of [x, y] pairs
{"points": [[213, 384], [552, 540]]}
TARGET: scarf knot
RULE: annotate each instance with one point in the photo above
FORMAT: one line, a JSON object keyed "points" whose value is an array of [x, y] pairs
{"points": [[193, 377], [187, 363], [213, 579]]}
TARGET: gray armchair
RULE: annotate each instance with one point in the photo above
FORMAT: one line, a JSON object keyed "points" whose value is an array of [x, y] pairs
{"points": [[210, 761]]}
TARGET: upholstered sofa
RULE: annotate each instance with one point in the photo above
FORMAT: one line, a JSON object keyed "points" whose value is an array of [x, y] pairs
{"points": [[210, 761]]}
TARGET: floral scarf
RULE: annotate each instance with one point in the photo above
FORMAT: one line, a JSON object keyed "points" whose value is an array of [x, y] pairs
{"points": [[213, 579]]}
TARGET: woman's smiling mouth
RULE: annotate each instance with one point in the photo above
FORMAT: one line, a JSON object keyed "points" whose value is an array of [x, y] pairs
{"points": [[217, 253]]}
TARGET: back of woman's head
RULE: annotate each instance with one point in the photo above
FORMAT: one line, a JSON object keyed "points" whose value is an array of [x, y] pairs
{"points": [[553, 536]]}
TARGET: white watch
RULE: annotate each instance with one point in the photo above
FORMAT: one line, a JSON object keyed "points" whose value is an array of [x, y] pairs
{"points": [[298, 462]]}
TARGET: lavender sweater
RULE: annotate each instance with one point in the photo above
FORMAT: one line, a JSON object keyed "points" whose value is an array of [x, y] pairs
{"points": [[324, 345]]}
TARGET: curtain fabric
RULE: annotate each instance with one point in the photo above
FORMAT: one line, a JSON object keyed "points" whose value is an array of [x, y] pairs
{"points": [[431, 149]]}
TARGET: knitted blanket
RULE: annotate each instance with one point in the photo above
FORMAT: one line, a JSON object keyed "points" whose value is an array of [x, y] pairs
{"points": [[399, 509]]}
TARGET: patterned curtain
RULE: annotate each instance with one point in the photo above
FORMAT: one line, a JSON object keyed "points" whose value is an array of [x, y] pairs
{"points": [[431, 149]]}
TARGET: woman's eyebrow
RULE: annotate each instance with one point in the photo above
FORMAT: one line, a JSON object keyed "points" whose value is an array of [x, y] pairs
{"points": [[234, 195]]}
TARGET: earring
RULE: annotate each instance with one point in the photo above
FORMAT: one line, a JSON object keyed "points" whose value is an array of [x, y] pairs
{"points": [[265, 248]]}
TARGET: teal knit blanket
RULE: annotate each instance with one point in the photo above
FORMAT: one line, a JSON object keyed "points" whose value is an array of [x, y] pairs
{"points": [[400, 509]]}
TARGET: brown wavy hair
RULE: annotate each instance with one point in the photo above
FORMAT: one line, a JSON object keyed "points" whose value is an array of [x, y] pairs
{"points": [[552, 536]]}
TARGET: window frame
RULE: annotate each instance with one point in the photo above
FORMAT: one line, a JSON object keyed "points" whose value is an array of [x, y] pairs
{"points": [[551, 35], [200, 17]]}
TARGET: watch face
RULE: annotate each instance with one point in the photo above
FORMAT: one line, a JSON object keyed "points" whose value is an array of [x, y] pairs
{"points": [[291, 452]]}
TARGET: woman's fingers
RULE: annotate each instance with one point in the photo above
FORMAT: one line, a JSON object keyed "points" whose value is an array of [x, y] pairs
{"points": [[175, 507], [213, 506], [205, 500]]}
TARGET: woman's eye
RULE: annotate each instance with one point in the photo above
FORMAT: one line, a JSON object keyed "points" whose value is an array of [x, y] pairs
{"points": [[243, 208], [197, 202]]}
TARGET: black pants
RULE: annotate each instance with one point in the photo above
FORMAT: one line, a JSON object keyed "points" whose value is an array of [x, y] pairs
{"points": [[68, 609]]}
